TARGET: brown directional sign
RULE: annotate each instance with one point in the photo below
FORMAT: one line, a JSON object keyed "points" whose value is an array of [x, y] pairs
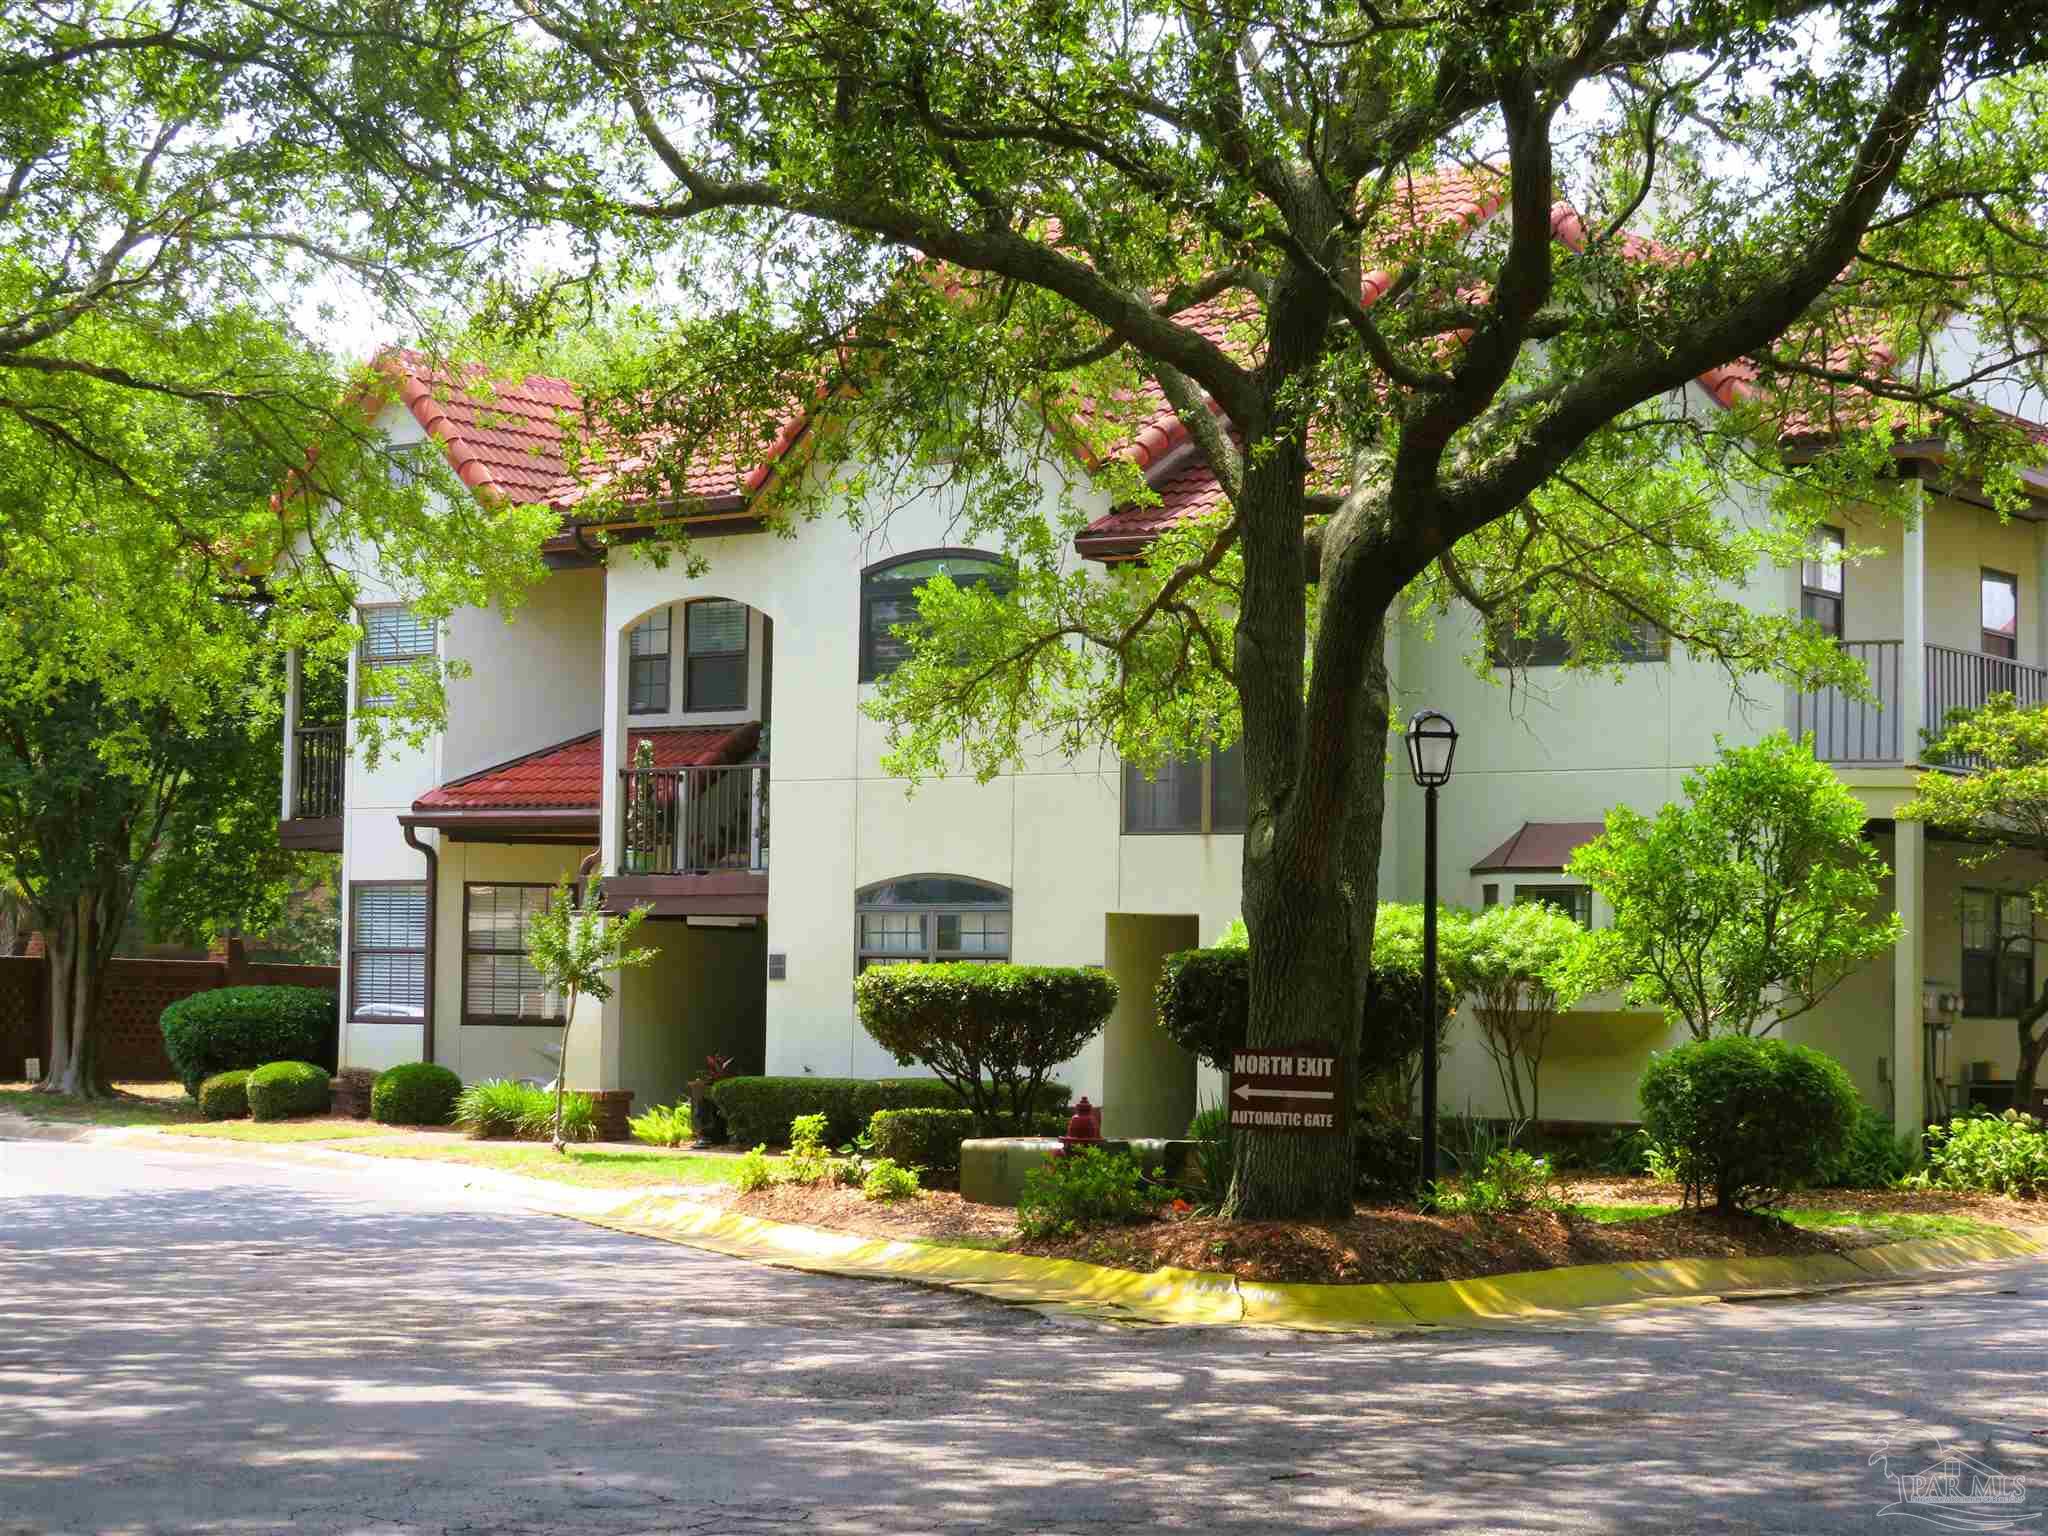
{"points": [[1287, 1088]]}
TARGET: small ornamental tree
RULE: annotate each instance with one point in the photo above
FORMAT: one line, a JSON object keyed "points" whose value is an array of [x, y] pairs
{"points": [[2001, 805], [1744, 907], [1519, 966], [991, 1033], [577, 952]]}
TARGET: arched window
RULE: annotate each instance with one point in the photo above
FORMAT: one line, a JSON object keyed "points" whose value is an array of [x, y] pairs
{"points": [[930, 917], [888, 597]]}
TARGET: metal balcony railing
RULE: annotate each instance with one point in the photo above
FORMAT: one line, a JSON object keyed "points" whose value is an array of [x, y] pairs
{"points": [[695, 821], [1852, 730], [319, 770]]}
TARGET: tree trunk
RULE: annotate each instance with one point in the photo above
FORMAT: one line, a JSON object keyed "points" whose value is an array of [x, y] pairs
{"points": [[2033, 1046], [562, 1066], [60, 948], [85, 1079]]}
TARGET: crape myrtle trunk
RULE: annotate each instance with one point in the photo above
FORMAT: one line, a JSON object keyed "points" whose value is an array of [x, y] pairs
{"points": [[1315, 772], [74, 947]]}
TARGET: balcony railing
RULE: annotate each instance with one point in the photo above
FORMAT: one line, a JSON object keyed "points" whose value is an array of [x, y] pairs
{"points": [[1851, 730], [695, 821], [319, 769]]}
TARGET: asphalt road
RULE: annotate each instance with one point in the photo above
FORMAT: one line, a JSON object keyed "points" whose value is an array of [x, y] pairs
{"points": [[193, 1340]]}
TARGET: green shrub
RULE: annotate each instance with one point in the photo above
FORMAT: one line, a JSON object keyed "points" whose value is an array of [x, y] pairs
{"points": [[1203, 995], [1509, 1182], [1749, 1118], [1210, 1132], [663, 1127], [753, 1171], [1088, 1188], [414, 1093], [2001, 1155], [808, 1161], [930, 1138], [1387, 1157], [237, 1028], [225, 1096], [579, 1117], [495, 1107], [760, 1109], [498, 1107], [995, 1032], [287, 1088], [1873, 1158], [887, 1180]]}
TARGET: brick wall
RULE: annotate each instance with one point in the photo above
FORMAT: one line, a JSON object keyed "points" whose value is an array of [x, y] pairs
{"points": [[133, 995]]}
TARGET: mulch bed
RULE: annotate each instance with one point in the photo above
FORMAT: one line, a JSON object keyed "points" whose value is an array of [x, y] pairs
{"points": [[1377, 1244], [1996, 1209]]}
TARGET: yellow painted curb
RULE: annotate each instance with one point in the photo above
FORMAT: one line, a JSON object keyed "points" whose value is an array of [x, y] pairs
{"points": [[1198, 1297]]}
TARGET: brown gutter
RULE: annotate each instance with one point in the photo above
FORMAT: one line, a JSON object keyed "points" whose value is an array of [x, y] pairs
{"points": [[412, 840]]}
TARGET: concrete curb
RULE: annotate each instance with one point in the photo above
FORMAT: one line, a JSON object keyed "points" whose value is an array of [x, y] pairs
{"points": [[1201, 1298]]}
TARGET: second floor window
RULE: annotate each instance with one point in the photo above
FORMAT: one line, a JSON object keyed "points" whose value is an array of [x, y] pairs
{"points": [[647, 654], [1547, 645], [714, 654], [2001, 604], [1998, 954], [393, 637], [1192, 794], [888, 598], [1820, 583]]}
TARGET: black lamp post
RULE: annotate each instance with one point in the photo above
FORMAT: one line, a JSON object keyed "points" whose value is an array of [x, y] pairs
{"points": [[1432, 742]]}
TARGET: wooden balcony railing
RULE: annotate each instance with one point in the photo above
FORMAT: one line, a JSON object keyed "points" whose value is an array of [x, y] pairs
{"points": [[1852, 730], [695, 821], [319, 770], [1958, 679]]}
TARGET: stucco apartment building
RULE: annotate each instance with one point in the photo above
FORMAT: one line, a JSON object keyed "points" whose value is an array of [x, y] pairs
{"points": [[700, 742]]}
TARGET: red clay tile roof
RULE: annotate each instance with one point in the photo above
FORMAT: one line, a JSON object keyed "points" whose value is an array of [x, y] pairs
{"points": [[1540, 846], [569, 776], [505, 439]]}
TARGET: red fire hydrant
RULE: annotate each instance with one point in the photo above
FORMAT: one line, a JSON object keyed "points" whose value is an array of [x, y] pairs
{"points": [[1084, 1127]]}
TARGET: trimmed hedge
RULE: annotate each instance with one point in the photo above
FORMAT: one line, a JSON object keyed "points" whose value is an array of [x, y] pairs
{"points": [[236, 1028], [930, 1138], [225, 1096], [287, 1088], [1748, 1118], [414, 1093], [994, 1031], [759, 1109]]}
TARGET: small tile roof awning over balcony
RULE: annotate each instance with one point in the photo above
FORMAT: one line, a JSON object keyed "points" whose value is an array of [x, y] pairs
{"points": [[557, 791], [1540, 847]]}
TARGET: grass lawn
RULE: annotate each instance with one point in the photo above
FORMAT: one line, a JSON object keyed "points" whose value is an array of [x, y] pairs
{"points": [[597, 1168], [281, 1130], [133, 1104], [1897, 1223]]}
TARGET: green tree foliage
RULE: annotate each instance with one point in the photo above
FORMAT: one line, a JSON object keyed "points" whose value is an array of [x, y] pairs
{"points": [[1520, 966], [992, 1033], [985, 230], [1747, 905], [2001, 803], [577, 951]]}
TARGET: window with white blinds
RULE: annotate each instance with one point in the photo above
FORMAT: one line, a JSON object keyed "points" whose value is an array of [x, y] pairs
{"points": [[387, 950], [392, 637], [499, 983], [714, 654]]}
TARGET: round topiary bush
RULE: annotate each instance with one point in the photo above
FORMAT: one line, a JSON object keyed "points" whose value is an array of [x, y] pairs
{"points": [[993, 1033], [1748, 1118], [235, 1028], [287, 1088], [416, 1093], [225, 1096]]}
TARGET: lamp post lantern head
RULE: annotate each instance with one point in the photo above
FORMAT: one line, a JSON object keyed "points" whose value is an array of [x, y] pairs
{"points": [[1432, 741]]}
